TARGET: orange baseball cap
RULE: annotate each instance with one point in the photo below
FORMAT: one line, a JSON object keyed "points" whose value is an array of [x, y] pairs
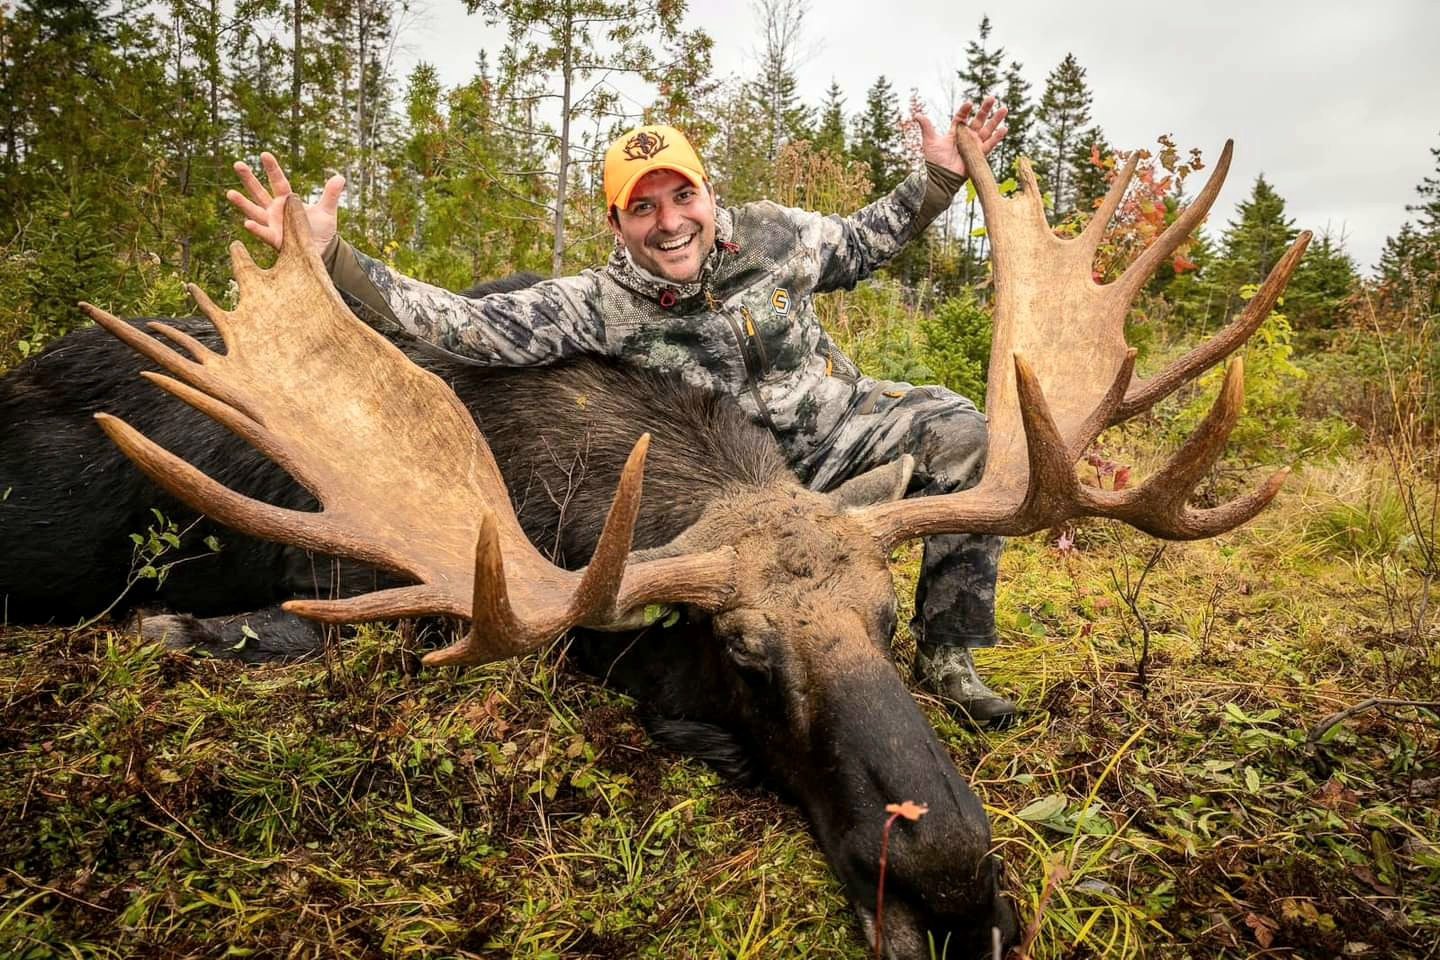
{"points": [[647, 148]]}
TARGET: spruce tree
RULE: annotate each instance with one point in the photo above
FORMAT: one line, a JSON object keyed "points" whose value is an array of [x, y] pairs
{"points": [[981, 77], [1254, 241], [1062, 118], [981, 74], [1321, 288], [830, 135], [877, 142], [1018, 120], [1429, 207], [1410, 262], [773, 91]]}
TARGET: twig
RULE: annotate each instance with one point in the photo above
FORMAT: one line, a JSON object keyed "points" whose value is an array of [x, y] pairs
{"points": [[1053, 876], [1366, 704]]}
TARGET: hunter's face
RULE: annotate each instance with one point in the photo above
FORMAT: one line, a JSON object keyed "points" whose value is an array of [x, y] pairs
{"points": [[668, 226]]}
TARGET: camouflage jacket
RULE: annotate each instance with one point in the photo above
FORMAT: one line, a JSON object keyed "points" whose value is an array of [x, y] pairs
{"points": [[746, 327]]}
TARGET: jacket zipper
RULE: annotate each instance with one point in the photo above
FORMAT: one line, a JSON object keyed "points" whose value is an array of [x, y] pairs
{"points": [[751, 377], [754, 333]]}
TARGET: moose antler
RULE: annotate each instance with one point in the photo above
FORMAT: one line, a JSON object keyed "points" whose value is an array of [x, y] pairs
{"points": [[426, 501], [1061, 372]]}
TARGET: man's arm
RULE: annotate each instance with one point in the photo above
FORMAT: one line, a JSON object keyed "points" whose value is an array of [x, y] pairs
{"points": [[544, 323], [851, 248]]}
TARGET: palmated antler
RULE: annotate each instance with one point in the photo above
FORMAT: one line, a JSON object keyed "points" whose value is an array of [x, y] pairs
{"points": [[1061, 372], [403, 476]]}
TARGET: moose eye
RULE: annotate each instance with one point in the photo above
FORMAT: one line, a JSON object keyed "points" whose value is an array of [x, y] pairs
{"points": [[749, 653]]}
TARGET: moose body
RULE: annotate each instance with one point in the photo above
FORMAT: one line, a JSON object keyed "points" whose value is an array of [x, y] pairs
{"points": [[823, 718]]}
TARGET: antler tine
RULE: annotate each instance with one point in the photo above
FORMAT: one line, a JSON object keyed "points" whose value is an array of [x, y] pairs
{"points": [[309, 530], [1095, 230], [977, 168], [1146, 393], [600, 585], [1138, 273], [248, 274], [147, 347], [1158, 506], [418, 600], [1104, 413], [495, 633], [198, 350], [218, 316], [240, 424]]}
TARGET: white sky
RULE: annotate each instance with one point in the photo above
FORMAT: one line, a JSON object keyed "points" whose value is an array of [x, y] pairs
{"points": [[1337, 102]]}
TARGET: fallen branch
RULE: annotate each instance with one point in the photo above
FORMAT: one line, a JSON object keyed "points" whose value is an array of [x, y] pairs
{"points": [[1366, 704]]}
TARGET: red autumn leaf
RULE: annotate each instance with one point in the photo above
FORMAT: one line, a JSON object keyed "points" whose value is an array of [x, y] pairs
{"points": [[910, 810], [1095, 154], [1122, 479], [1183, 264]]}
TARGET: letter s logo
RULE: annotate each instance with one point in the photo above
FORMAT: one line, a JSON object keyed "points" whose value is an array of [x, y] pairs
{"points": [[780, 300]]}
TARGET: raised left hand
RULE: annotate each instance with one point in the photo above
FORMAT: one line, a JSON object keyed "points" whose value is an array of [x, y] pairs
{"points": [[987, 123]]}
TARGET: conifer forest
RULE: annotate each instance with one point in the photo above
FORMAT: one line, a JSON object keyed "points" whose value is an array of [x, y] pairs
{"points": [[1226, 748]]}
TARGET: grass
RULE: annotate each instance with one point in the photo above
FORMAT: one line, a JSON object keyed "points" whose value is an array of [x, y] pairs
{"points": [[153, 804]]}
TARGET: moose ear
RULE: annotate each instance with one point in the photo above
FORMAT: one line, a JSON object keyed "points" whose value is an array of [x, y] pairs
{"points": [[881, 485]]}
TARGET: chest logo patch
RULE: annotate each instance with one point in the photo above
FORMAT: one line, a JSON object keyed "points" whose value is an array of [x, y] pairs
{"points": [[780, 301]]}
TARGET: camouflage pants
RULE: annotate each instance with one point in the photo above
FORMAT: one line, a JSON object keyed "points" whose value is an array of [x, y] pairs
{"points": [[955, 595]]}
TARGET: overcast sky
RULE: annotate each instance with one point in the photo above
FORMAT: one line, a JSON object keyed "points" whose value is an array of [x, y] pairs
{"points": [[1337, 102]]}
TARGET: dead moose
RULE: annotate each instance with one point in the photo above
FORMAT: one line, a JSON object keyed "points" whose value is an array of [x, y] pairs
{"points": [[782, 667]]}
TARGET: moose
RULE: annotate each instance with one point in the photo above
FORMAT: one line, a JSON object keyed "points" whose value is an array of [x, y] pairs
{"points": [[443, 488]]}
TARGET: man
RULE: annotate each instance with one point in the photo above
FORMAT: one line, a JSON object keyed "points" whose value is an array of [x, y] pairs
{"points": [[724, 298]]}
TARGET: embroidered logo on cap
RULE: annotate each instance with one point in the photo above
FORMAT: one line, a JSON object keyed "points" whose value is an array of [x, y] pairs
{"points": [[644, 145]]}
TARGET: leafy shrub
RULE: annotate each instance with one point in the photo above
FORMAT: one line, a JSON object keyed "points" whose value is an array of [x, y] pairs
{"points": [[957, 345], [1272, 428]]}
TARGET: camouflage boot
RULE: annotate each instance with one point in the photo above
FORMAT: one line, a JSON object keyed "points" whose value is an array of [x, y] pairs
{"points": [[950, 673], [954, 611]]}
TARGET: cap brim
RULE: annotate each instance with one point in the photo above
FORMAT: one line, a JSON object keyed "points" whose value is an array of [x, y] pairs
{"points": [[622, 199]]}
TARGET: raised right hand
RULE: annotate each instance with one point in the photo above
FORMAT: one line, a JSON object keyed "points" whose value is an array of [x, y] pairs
{"points": [[264, 209]]}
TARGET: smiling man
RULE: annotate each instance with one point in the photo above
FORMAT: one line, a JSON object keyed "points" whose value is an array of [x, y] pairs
{"points": [[724, 298]]}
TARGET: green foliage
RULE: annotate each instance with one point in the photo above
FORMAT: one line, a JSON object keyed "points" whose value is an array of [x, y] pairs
{"points": [[1322, 289], [957, 345], [981, 73], [773, 92], [1368, 524], [1272, 429], [1019, 120], [1252, 243]]}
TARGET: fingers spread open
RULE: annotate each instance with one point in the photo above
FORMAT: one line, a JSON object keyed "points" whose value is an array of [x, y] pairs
{"points": [[251, 209], [252, 185], [279, 183]]}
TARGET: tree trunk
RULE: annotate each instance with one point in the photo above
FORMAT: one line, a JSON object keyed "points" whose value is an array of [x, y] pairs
{"points": [[557, 262], [295, 70]]}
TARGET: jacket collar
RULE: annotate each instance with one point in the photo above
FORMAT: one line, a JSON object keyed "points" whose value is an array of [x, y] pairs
{"points": [[666, 293]]}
